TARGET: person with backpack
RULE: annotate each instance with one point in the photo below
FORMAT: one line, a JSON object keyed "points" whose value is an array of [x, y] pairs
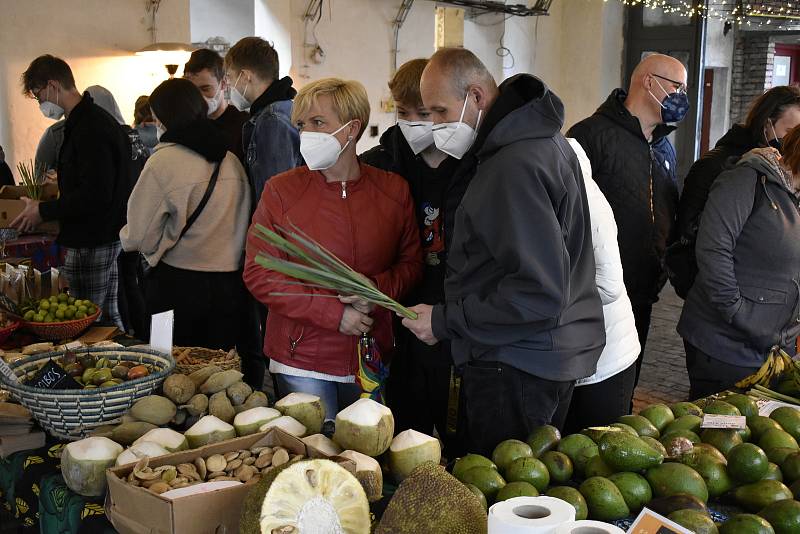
{"points": [[746, 298], [771, 115]]}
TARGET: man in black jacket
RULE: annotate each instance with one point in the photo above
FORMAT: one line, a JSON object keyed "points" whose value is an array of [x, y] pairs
{"points": [[94, 183], [634, 164], [521, 307]]}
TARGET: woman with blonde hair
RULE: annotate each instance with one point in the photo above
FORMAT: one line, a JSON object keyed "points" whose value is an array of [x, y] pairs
{"points": [[363, 215]]}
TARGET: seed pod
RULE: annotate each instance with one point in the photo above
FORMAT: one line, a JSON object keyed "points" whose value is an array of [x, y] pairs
{"points": [[280, 457], [233, 464], [244, 473], [200, 464], [216, 462], [249, 461], [160, 487], [231, 456], [265, 460]]}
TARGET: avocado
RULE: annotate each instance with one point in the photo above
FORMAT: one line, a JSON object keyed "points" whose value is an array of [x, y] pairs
{"points": [[773, 473], [558, 465], [795, 487], [779, 454], [604, 500], [710, 450], [655, 444], [658, 414], [746, 524], [788, 387], [697, 522], [516, 489], [745, 434], [634, 489], [676, 446], [784, 516], [596, 432], [774, 439], [530, 470], [724, 440], [747, 463], [754, 497], [666, 505], [572, 496], [758, 424], [543, 439], [623, 452], [579, 448], [508, 451], [596, 467], [720, 407], [479, 495], [486, 479], [641, 425], [791, 467], [679, 409], [789, 419], [627, 428], [746, 405], [680, 433], [685, 422], [712, 470], [469, 461], [675, 478]]}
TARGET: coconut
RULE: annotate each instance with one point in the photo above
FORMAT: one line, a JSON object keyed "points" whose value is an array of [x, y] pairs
{"points": [[166, 437], [249, 421], [146, 448], [365, 426], [84, 464], [323, 444], [305, 408], [368, 472], [208, 430], [410, 449], [154, 409], [287, 424]]}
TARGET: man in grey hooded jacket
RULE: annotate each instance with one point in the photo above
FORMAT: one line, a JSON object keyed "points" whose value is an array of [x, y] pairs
{"points": [[521, 307]]}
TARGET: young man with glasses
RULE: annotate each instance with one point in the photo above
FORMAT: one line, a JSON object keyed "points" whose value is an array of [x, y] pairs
{"points": [[634, 163]]}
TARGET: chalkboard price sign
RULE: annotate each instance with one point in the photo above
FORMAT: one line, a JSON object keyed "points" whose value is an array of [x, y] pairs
{"points": [[52, 376]]}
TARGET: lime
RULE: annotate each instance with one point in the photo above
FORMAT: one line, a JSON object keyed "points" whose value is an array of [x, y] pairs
{"points": [[44, 305], [72, 307], [54, 299], [38, 318], [80, 315], [91, 310], [49, 319], [69, 314], [78, 302], [29, 315], [62, 297], [59, 314], [83, 309], [71, 300], [62, 306]]}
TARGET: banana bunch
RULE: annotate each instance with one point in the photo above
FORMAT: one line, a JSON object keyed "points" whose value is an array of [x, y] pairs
{"points": [[776, 364]]}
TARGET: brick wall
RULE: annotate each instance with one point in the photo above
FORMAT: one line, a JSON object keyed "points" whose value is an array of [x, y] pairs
{"points": [[752, 71]]}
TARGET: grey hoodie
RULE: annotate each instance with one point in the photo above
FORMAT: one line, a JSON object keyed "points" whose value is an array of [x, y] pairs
{"points": [[520, 285], [747, 294]]}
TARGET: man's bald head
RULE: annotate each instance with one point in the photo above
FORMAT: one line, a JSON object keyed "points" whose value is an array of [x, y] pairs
{"points": [[661, 65], [450, 76]]}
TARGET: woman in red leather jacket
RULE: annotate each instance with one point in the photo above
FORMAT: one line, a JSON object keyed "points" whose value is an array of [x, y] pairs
{"points": [[363, 215]]}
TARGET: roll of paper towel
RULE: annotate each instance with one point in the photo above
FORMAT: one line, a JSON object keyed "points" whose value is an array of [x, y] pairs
{"points": [[588, 527], [529, 515]]}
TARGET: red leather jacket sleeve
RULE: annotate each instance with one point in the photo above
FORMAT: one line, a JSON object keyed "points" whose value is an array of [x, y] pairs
{"points": [[407, 270], [308, 309]]}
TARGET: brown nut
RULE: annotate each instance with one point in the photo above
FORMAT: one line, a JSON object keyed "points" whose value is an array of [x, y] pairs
{"points": [[229, 456], [215, 474], [264, 460], [266, 450], [243, 455], [244, 473], [160, 487], [280, 457], [226, 477], [216, 462], [148, 483], [233, 465], [189, 471], [259, 450], [200, 465], [249, 461]]}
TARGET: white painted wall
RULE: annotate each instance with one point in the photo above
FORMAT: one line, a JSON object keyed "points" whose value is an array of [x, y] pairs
{"points": [[230, 19], [98, 42], [719, 56], [272, 22]]}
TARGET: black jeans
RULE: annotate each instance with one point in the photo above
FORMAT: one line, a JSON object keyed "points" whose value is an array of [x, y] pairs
{"points": [[499, 402], [641, 315], [208, 306], [708, 375], [250, 344], [131, 295], [602, 403]]}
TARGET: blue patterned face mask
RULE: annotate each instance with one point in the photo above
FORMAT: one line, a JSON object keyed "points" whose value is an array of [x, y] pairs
{"points": [[675, 106]]}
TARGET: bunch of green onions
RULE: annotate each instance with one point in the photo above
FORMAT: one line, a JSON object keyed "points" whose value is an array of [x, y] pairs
{"points": [[312, 266], [32, 174]]}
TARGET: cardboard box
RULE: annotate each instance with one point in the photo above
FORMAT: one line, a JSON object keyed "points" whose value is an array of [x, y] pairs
{"points": [[11, 205], [135, 510]]}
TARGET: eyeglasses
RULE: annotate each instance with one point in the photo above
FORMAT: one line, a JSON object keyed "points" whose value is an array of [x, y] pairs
{"points": [[678, 86], [37, 92]]}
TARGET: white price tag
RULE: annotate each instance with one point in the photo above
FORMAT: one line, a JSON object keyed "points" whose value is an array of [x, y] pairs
{"points": [[649, 522], [766, 407], [161, 325], [733, 422]]}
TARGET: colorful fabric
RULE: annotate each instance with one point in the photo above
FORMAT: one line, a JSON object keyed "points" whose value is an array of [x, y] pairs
{"points": [[92, 274], [42, 249], [372, 370]]}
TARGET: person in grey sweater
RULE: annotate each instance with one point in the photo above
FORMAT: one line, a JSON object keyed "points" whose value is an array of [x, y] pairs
{"points": [[746, 298]]}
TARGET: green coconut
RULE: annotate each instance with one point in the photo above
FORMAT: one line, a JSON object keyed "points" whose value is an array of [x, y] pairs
{"points": [[410, 449], [127, 433], [365, 426], [368, 472], [166, 437], [84, 464], [249, 421], [147, 449], [323, 444], [287, 424], [207, 430], [154, 409], [307, 409]]}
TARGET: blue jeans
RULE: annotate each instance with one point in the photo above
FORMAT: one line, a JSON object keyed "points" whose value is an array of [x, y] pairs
{"points": [[335, 396]]}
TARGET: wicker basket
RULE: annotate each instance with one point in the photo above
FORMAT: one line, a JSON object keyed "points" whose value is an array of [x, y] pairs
{"points": [[73, 413], [7, 331], [62, 330], [191, 359]]}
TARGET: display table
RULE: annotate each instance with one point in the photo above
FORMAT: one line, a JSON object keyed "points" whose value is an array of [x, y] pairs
{"points": [[33, 492], [42, 249]]}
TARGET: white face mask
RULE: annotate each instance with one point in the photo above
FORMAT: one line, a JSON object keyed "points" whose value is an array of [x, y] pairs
{"points": [[159, 132], [321, 150], [419, 134], [50, 110], [456, 138], [214, 102], [239, 99]]}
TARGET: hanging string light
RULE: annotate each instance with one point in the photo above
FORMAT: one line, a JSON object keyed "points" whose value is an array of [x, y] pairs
{"points": [[778, 14]]}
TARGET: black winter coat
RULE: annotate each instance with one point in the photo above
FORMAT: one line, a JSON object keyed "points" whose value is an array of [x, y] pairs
{"points": [[638, 179]]}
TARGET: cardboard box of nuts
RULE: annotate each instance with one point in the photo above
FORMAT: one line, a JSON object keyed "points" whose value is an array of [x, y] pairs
{"points": [[136, 501]]}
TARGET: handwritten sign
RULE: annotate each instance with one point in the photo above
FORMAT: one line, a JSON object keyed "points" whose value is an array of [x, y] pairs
{"points": [[52, 376], [649, 522], [733, 422]]}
